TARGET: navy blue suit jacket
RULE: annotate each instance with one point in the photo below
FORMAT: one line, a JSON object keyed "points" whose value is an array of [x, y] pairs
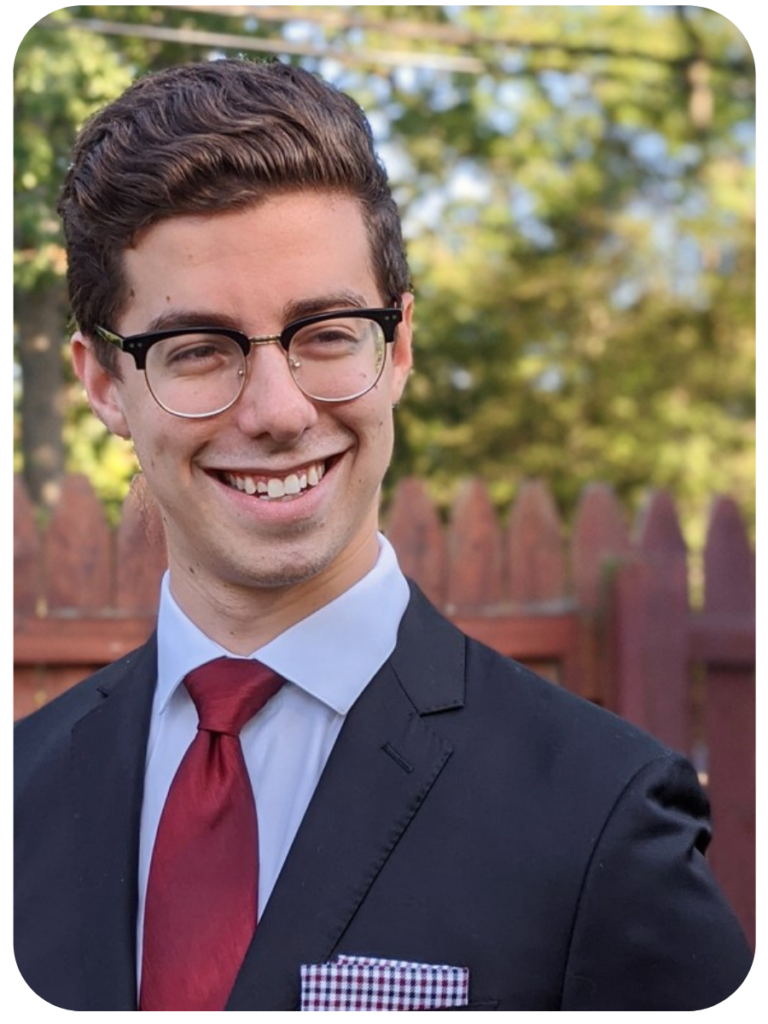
{"points": [[470, 814]]}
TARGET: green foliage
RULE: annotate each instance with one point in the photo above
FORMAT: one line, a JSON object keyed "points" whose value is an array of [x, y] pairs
{"points": [[60, 79], [581, 314], [580, 212]]}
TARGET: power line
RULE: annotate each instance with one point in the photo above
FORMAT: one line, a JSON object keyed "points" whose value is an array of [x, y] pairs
{"points": [[231, 41], [445, 34], [455, 35]]}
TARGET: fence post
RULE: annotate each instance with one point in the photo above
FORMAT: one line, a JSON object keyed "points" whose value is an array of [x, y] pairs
{"points": [[78, 550], [474, 550], [414, 530], [729, 597], [27, 553], [600, 537], [27, 593], [650, 628], [535, 561]]}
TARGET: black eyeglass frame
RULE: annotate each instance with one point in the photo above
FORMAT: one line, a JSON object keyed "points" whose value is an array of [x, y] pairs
{"points": [[137, 345]]}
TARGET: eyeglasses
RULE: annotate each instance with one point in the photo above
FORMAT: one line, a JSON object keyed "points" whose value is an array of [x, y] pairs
{"points": [[195, 372]]}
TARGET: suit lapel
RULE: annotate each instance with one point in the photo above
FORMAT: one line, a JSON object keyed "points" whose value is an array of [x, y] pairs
{"points": [[380, 771], [107, 761]]}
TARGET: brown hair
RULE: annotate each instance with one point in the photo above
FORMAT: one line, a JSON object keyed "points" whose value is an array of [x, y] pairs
{"points": [[206, 138]]}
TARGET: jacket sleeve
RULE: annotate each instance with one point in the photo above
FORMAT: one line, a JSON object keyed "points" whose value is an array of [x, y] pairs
{"points": [[652, 929]]}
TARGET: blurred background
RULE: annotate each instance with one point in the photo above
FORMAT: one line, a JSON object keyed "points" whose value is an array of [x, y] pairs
{"points": [[578, 193]]}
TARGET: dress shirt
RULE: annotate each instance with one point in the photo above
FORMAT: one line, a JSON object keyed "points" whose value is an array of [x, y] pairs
{"points": [[327, 660]]}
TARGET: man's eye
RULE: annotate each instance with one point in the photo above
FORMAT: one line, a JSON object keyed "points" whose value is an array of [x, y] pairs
{"points": [[193, 353], [327, 336], [330, 334], [198, 354]]}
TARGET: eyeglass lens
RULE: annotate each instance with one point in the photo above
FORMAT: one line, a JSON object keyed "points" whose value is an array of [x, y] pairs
{"points": [[199, 374]]}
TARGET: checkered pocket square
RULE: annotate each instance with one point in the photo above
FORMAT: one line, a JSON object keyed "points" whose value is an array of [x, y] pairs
{"points": [[368, 983]]}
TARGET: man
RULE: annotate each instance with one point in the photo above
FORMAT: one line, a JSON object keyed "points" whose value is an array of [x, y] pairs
{"points": [[434, 826]]}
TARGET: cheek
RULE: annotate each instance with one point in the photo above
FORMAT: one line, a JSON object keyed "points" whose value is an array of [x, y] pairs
{"points": [[376, 427], [373, 429], [156, 447], [382, 438]]}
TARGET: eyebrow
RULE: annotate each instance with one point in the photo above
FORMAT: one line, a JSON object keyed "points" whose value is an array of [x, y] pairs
{"points": [[299, 308], [171, 319]]}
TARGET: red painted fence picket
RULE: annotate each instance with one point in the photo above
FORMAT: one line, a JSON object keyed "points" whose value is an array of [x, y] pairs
{"points": [[729, 613]]}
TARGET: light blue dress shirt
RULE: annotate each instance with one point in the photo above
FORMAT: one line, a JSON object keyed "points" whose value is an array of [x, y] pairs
{"points": [[328, 659]]}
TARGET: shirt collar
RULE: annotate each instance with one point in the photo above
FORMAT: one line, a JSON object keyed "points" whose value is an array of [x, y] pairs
{"points": [[332, 654]]}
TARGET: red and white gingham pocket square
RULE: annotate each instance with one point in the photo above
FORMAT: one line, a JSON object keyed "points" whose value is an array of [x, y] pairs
{"points": [[368, 983]]}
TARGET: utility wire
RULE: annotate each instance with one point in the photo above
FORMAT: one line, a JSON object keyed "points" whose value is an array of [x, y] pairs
{"points": [[461, 63], [229, 41], [455, 35]]}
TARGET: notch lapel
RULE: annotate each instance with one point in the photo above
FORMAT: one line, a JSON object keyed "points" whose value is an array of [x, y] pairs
{"points": [[380, 772], [108, 748]]}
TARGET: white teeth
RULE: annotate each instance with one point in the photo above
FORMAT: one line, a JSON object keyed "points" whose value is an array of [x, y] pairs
{"points": [[277, 487]]}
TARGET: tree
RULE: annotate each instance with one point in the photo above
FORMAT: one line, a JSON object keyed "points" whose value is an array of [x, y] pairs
{"points": [[578, 189], [59, 81], [581, 314]]}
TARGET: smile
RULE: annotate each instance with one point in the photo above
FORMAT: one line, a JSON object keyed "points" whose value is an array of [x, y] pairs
{"points": [[271, 488]]}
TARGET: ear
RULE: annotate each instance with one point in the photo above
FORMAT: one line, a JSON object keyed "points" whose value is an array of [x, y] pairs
{"points": [[402, 349], [103, 388]]}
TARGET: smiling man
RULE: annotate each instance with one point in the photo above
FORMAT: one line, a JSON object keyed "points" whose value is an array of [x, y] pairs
{"points": [[270, 507], [308, 790]]}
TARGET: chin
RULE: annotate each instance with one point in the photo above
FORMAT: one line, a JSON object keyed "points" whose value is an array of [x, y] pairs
{"points": [[291, 568], [277, 577]]}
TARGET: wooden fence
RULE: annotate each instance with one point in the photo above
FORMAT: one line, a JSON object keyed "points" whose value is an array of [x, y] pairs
{"points": [[604, 612]]}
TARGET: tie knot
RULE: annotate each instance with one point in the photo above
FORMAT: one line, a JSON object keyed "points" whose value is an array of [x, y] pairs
{"points": [[228, 692]]}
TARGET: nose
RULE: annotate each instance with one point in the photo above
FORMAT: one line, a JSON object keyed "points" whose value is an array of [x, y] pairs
{"points": [[272, 403]]}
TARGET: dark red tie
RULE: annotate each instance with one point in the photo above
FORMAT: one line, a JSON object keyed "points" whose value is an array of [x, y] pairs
{"points": [[202, 893]]}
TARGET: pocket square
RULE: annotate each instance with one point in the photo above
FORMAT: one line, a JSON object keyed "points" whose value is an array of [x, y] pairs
{"points": [[370, 983]]}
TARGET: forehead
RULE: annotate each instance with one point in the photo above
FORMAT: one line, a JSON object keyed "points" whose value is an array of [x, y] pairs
{"points": [[249, 263]]}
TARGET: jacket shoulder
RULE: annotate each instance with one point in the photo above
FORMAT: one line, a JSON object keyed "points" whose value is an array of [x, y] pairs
{"points": [[38, 735], [503, 678], [508, 707]]}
